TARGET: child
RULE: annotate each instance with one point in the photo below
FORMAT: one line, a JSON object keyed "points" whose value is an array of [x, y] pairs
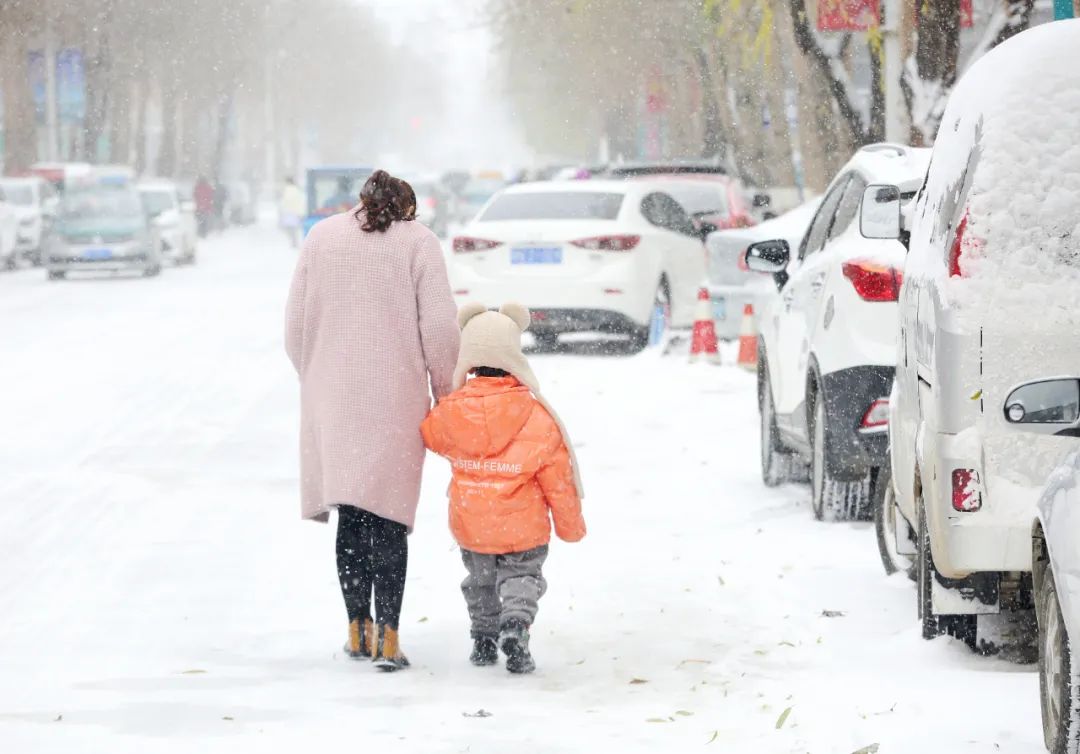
{"points": [[512, 464]]}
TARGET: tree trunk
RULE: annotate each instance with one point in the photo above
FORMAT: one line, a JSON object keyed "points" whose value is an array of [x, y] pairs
{"points": [[20, 122], [171, 108], [712, 140], [938, 48], [829, 70], [876, 130]]}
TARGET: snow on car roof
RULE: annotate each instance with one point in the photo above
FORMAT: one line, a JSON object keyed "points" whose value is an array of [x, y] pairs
{"points": [[1007, 156], [891, 163]]}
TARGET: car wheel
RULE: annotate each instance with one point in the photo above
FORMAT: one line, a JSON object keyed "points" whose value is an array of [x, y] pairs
{"points": [[547, 342], [12, 262], [775, 461], [885, 514], [57, 274], [152, 272], [830, 498], [1058, 682]]}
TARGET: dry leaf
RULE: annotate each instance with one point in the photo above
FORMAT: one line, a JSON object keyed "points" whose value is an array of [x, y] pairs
{"points": [[871, 749], [478, 713], [658, 720], [637, 681], [422, 620], [783, 718], [715, 735], [193, 672], [684, 713], [226, 718], [832, 613]]}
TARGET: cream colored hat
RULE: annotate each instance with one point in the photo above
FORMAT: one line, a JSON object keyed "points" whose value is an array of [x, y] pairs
{"points": [[493, 339]]}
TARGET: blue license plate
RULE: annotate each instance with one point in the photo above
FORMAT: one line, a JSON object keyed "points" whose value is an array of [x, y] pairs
{"points": [[719, 309], [536, 255], [96, 254]]}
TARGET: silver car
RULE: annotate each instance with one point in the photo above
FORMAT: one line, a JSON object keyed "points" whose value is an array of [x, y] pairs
{"points": [[103, 229]]}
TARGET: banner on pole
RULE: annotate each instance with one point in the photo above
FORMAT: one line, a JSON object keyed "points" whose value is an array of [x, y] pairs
{"points": [[861, 15]]}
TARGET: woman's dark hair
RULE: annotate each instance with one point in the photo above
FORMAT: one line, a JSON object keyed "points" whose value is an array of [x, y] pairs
{"points": [[385, 200]]}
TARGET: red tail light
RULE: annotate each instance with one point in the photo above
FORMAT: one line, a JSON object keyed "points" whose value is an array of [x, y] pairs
{"points": [[608, 243], [464, 244], [960, 243], [877, 415], [873, 281], [965, 490], [431, 202]]}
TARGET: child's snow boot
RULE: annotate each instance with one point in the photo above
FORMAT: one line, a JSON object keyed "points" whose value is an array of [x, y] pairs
{"points": [[361, 643], [388, 655], [485, 651], [514, 641]]}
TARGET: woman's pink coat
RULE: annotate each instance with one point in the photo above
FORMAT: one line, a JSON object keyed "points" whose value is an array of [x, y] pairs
{"points": [[371, 330]]}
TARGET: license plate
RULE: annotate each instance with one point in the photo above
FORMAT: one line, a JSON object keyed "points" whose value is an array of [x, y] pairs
{"points": [[97, 254], [536, 255], [719, 309]]}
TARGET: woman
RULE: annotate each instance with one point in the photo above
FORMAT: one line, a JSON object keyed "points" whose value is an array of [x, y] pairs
{"points": [[371, 329]]}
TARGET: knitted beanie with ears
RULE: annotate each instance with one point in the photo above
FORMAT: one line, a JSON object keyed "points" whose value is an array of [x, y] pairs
{"points": [[493, 339]]}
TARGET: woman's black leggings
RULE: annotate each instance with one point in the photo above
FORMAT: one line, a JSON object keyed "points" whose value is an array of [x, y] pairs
{"points": [[372, 552]]}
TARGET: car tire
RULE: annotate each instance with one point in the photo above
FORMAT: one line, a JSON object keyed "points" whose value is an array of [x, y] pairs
{"points": [[1059, 682], [776, 461], [152, 272], [885, 514], [12, 262], [832, 499], [547, 342], [57, 275]]}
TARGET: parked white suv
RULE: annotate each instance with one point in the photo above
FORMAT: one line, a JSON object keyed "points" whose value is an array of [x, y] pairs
{"points": [[989, 301], [827, 344]]}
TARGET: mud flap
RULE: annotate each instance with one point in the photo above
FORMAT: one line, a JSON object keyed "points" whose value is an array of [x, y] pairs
{"points": [[905, 534], [978, 594]]}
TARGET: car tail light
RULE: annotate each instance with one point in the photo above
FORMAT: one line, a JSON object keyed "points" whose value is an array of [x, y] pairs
{"points": [[431, 202], [608, 243], [877, 415], [962, 242], [874, 281], [463, 244], [965, 490]]}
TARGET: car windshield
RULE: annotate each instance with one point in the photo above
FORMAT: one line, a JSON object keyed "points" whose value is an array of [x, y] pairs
{"points": [[87, 205], [555, 205], [700, 200], [20, 194], [156, 202]]}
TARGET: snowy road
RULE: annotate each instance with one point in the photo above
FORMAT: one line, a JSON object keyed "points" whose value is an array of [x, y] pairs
{"points": [[158, 591]]}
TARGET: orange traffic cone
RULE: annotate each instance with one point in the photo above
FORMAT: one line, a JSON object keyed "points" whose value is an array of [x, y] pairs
{"points": [[748, 339], [703, 340]]}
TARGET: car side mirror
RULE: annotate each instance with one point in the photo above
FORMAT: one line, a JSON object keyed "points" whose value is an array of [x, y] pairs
{"points": [[761, 201], [771, 257], [1045, 407], [879, 217]]}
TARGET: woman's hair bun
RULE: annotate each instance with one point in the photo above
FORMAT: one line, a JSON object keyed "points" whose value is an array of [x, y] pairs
{"points": [[385, 200]]}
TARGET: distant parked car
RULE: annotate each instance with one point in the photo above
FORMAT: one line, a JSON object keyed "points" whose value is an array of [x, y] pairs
{"points": [[35, 201], [731, 283], [432, 206], [174, 219], [585, 256], [989, 302], [827, 343], [103, 229], [476, 194]]}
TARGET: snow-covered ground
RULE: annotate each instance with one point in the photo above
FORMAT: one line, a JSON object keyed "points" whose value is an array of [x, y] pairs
{"points": [[158, 591]]}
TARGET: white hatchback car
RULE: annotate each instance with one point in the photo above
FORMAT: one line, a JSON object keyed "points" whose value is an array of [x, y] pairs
{"points": [[989, 302], [584, 256], [35, 201], [174, 219], [827, 344]]}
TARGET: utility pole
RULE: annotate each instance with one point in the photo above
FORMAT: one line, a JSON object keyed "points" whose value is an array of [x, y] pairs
{"points": [[52, 135], [896, 129]]}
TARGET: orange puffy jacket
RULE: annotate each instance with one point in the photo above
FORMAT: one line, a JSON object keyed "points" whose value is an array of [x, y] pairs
{"points": [[510, 467]]}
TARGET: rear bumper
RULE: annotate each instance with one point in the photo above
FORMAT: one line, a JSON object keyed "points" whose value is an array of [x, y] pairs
{"points": [[995, 538], [581, 320], [851, 453], [139, 261]]}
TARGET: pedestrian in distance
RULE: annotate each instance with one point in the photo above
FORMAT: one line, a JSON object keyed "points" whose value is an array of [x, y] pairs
{"points": [[291, 208], [371, 332], [221, 203], [514, 470], [204, 205]]}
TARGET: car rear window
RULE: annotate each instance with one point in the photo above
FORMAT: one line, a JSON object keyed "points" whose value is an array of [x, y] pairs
{"points": [[555, 205], [700, 200]]}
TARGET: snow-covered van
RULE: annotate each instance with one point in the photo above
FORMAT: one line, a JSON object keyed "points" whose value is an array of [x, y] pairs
{"points": [[990, 301]]}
